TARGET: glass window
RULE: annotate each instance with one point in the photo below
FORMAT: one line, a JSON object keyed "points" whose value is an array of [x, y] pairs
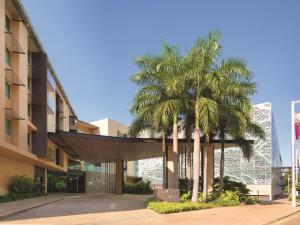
{"points": [[29, 84], [7, 126], [7, 23], [28, 139], [7, 90], [28, 110], [7, 57], [29, 57]]}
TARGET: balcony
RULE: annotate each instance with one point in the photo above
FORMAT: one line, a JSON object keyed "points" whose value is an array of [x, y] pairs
{"points": [[11, 10], [12, 115], [12, 43], [13, 78]]}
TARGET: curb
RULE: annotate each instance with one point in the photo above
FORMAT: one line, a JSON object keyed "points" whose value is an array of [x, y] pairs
{"points": [[281, 218], [24, 210]]}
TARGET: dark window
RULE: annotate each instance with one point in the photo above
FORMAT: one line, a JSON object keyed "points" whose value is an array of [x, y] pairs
{"points": [[7, 57], [7, 90], [7, 23], [29, 84], [28, 139], [28, 110], [7, 127], [29, 58], [57, 157]]}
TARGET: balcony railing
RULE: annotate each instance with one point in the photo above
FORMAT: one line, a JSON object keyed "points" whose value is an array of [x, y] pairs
{"points": [[11, 10], [12, 43], [10, 114], [13, 78]]}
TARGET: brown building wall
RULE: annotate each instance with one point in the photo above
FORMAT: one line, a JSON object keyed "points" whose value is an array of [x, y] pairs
{"points": [[9, 168]]}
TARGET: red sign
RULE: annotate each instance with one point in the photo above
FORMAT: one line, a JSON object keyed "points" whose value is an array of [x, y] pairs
{"points": [[297, 126]]}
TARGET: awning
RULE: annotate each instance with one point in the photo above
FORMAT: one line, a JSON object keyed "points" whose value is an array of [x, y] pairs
{"points": [[98, 148]]}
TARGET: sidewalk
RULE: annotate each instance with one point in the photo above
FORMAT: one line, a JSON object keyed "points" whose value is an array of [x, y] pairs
{"points": [[130, 210], [13, 207]]}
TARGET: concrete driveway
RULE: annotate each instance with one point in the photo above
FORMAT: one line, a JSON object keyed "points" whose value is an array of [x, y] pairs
{"points": [[131, 210]]}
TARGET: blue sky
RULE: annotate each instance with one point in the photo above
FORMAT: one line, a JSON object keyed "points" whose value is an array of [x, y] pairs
{"points": [[92, 45]]}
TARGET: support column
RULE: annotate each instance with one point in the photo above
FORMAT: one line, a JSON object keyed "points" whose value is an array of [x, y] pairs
{"points": [[119, 180], [208, 170]]}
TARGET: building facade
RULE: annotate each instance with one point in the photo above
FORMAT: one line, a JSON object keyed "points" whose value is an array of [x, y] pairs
{"points": [[262, 173], [32, 102]]}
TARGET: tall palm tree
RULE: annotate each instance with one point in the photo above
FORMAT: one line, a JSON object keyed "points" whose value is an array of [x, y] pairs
{"points": [[200, 63], [234, 86], [160, 78]]}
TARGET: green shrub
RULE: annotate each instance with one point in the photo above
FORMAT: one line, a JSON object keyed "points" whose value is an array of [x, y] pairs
{"points": [[4, 198], [229, 185], [250, 201], [140, 187], [23, 185], [169, 207], [297, 198], [225, 203], [184, 197], [200, 197], [229, 196]]}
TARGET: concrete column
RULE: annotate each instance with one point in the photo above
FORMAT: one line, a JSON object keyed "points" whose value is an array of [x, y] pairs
{"points": [[208, 170], [119, 180]]}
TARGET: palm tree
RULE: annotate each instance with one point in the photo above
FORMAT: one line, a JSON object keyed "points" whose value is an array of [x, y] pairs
{"points": [[160, 98], [200, 63], [188, 122], [234, 86]]}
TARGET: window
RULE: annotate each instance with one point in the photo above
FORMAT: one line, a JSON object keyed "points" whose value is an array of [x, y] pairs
{"points": [[29, 84], [7, 23], [28, 110], [7, 90], [57, 160], [29, 57], [28, 139], [7, 127], [7, 57]]}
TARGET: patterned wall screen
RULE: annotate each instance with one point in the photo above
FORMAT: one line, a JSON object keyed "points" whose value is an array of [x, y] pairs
{"points": [[258, 170]]}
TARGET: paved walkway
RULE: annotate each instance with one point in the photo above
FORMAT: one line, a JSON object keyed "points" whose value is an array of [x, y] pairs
{"points": [[130, 209], [10, 208]]}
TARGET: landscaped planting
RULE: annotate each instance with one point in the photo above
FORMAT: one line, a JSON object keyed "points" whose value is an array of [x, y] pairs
{"points": [[234, 193], [140, 187], [21, 187], [169, 207]]}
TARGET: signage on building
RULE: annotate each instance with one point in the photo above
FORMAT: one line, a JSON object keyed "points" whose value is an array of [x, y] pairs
{"points": [[166, 195]]}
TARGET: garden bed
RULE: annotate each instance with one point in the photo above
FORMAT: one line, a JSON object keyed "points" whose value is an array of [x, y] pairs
{"points": [[169, 207]]}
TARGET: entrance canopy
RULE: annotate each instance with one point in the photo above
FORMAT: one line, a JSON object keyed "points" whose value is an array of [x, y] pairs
{"points": [[98, 148]]}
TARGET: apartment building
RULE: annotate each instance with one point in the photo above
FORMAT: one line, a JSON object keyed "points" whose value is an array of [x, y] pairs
{"points": [[32, 102]]}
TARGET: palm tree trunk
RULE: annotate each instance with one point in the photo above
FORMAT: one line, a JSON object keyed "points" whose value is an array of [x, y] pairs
{"points": [[189, 160], [175, 152], [222, 162], [164, 151], [196, 159], [205, 166]]}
